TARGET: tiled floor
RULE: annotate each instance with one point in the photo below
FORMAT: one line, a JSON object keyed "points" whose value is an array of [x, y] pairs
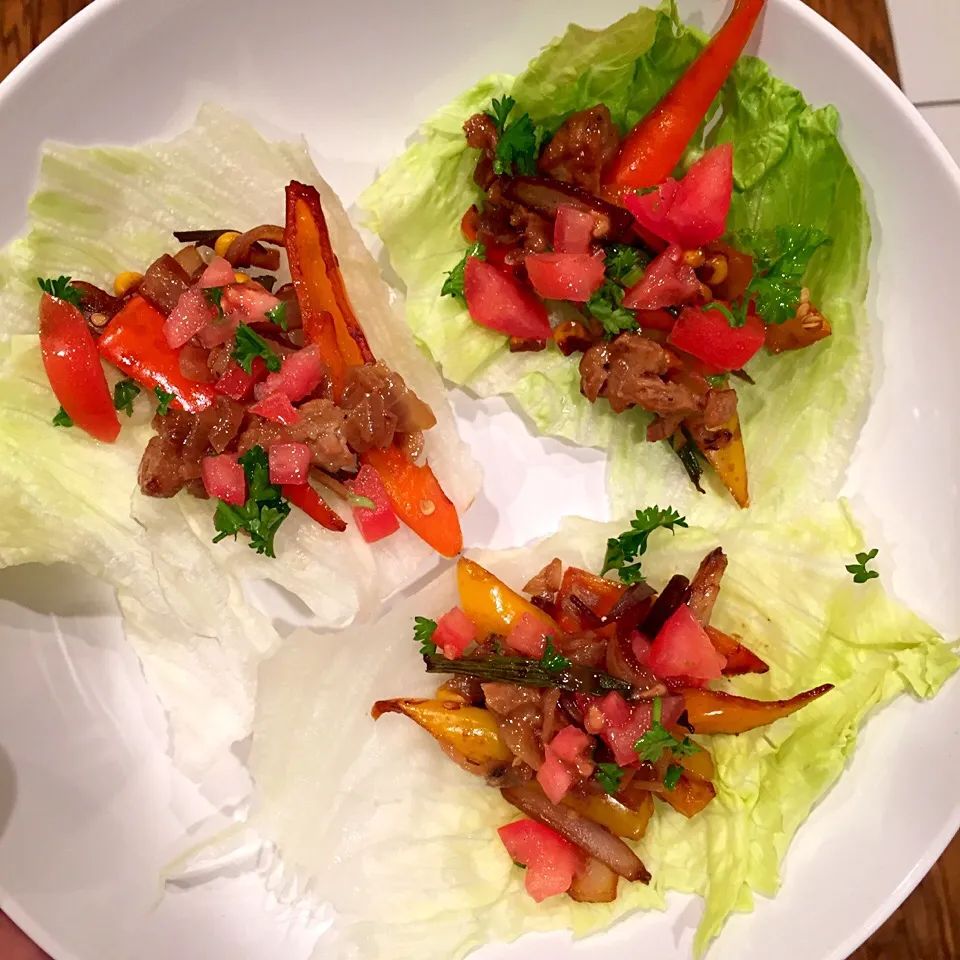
{"points": [[927, 37]]}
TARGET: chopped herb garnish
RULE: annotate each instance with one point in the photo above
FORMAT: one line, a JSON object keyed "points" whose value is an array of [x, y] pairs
{"points": [[623, 550], [355, 500], [62, 419], [163, 407], [717, 380], [604, 306], [453, 285], [625, 264], [250, 344], [213, 295], [423, 629], [672, 777], [518, 140], [609, 775], [551, 660], [263, 512], [62, 289], [651, 746], [732, 319], [859, 569], [124, 393], [781, 258], [278, 315]]}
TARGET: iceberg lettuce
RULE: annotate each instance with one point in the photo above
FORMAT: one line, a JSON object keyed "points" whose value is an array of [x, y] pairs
{"points": [[800, 420]]}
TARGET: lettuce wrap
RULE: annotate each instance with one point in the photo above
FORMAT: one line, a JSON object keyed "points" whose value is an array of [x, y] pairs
{"points": [[801, 418], [186, 602], [401, 844]]}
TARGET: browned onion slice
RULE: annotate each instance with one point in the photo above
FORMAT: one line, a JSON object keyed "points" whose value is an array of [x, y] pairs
{"points": [[241, 254]]}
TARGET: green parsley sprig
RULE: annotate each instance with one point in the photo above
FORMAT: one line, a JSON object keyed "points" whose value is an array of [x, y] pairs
{"points": [[625, 266], [423, 630], [62, 419], [859, 569], [265, 508], [609, 775], [453, 285], [165, 399], [250, 344], [518, 140], [672, 777], [658, 739], [62, 289], [622, 551], [124, 393], [552, 661], [278, 315]]}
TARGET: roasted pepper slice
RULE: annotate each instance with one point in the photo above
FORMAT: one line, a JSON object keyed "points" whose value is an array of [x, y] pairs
{"points": [[690, 795], [613, 815], [597, 594], [739, 659], [490, 603], [729, 460], [711, 711]]}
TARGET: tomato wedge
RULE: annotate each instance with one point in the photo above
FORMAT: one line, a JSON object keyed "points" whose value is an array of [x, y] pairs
{"points": [[683, 649], [565, 276], [667, 282], [707, 335], [73, 368], [499, 301]]}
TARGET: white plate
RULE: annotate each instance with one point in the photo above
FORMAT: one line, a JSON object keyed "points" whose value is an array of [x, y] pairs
{"points": [[89, 808]]}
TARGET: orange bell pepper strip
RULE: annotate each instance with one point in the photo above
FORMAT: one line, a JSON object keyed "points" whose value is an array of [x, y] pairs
{"points": [[418, 499], [711, 711], [739, 659], [133, 341], [652, 149], [596, 593], [690, 795], [490, 603], [328, 317]]}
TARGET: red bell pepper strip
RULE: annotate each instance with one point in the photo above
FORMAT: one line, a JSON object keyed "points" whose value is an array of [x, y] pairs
{"points": [[418, 499], [328, 317], [134, 342], [652, 149], [73, 369], [711, 711], [302, 495]]}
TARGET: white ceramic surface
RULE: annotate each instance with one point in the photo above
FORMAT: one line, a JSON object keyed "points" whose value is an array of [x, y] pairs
{"points": [[89, 808]]}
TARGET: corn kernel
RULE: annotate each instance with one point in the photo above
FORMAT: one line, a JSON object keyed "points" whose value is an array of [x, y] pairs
{"points": [[224, 241], [122, 282], [239, 277]]}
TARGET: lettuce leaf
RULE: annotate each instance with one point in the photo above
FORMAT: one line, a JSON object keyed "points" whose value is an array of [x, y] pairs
{"points": [[192, 608], [801, 419], [400, 845]]}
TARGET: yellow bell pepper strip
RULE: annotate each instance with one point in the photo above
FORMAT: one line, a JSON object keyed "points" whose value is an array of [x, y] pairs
{"points": [[610, 813], [652, 149], [328, 317], [729, 461], [418, 499], [710, 711], [698, 765], [491, 604], [471, 732], [690, 795]]}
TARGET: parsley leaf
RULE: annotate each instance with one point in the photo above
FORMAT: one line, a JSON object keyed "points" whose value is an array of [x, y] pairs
{"points": [[609, 775], [651, 746], [124, 393], [623, 550], [62, 289], [453, 285], [717, 380], [735, 320], [163, 408], [553, 661], [604, 306], [518, 140], [278, 315], [625, 264], [423, 629], [62, 419], [781, 258], [263, 512], [672, 777], [250, 344], [859, 569], [213, 295]]}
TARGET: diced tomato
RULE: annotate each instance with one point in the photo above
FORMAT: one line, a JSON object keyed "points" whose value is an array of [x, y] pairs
{"points": [[707, 335], [382, 520], [191, 314], [528, 636], [249, 300], [133, 341], [565, 276], [656, 320], [302, 495], [278, 408], [73, 368], [218, 274], [555, 777], [616, 710], [667, 282], [223, 478], [682, 648], [694, 210], [641, 648], [218, 330], [300, 374], [572, 745], [621, 739], [236, 383], [499, 301], [468, 224], [455, 632], [573, 230], [289, 463], [551, 860]]}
